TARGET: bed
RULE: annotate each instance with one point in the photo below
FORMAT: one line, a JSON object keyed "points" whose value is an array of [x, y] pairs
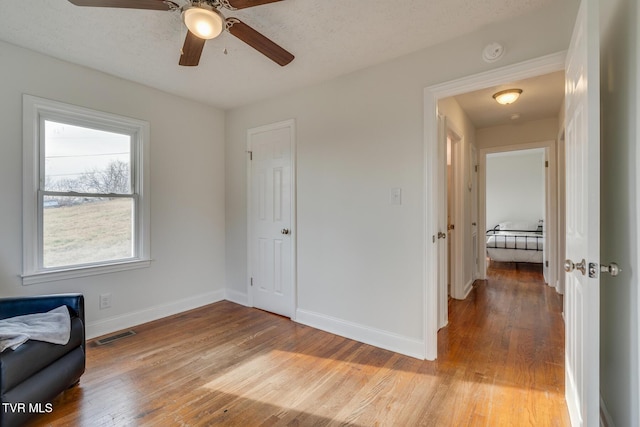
{"points": [[516, 242]]}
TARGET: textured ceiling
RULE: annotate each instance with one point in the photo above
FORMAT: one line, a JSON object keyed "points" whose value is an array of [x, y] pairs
{"points": [[328, 38]]}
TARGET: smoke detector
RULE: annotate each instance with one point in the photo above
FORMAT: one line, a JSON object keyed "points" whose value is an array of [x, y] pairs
{"points": [[492, 52]]}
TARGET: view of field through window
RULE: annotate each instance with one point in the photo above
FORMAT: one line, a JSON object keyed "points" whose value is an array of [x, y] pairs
{"points": [[87, 232], [82, 220]]}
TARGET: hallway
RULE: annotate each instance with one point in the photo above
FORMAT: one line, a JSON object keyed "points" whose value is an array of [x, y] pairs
{"points": [[507, 340]]}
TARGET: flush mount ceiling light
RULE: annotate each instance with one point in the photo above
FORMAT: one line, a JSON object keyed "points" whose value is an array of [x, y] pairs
{"points": [[203, 21], [508, 96]]}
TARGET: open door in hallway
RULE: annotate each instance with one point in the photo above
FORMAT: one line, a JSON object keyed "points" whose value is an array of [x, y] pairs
{"points": [[582, 299]]}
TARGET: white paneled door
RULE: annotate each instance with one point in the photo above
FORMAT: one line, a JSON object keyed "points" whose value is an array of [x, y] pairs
{"points": [[271, 230], [582, 298], [441, 237]]}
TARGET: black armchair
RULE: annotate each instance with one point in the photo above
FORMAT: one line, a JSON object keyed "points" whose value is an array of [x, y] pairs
{"points": [[36, 372]]}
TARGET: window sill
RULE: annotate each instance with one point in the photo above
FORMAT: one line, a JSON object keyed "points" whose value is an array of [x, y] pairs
{"points": [[72, 273]]}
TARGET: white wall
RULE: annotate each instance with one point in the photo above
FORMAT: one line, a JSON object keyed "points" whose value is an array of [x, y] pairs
{"points": [[360, 260], [515, 187], [518, 133], [620, 232], [187, 191]]}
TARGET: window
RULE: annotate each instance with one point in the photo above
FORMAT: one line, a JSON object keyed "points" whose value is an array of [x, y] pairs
{"points": [[85, 192]]}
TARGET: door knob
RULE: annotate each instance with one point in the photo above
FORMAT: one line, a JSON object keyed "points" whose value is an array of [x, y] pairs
{"points": [[612, 269], [285, 231], [569, 266], [442, 235]]}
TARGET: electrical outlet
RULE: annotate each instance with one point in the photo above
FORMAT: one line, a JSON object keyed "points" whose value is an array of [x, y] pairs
{"points": [[105, 301]]}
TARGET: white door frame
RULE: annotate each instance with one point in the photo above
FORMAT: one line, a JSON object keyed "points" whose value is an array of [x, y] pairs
{"points": [[532, 68], [550, 195], [291, 124], [637, 266]]}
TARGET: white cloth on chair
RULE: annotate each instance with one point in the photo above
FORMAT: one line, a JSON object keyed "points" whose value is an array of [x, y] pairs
{"points": [[53, 326]]}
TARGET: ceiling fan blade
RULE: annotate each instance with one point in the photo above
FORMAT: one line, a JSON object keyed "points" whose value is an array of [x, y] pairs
{"points": [[243, 4], [191, 50], [259, 42], [129, 4]]}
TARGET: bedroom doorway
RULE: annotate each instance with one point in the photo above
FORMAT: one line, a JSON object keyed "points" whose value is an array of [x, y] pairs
{"points": [[515, 206], [518, 195]]}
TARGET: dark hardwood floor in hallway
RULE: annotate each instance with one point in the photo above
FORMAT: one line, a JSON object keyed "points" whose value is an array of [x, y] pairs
{"points": [[501, 363]]}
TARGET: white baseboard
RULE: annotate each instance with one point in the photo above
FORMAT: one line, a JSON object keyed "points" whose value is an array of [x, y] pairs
{"points": [[238, 297], [378, 338], [467, 288], [128, 320]]}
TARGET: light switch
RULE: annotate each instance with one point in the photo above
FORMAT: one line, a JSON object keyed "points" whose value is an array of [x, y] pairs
{"points": [[395, 197]]}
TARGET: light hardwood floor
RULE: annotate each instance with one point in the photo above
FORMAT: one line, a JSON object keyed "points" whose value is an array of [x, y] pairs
{"points": [[501, 363]]}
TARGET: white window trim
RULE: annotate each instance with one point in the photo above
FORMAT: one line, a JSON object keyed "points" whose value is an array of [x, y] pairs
{"points": [[34, 109]]}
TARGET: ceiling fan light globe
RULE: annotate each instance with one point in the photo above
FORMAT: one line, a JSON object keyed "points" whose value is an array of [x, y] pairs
{"points": [[203, 23]]}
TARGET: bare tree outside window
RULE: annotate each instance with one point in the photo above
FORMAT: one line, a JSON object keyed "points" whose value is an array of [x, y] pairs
{"points": [[113, 179]]}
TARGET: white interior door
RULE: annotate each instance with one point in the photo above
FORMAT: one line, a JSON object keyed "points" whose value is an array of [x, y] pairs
{"points": [[271, 231], [441, 237], [582, 298], [473, 182]]}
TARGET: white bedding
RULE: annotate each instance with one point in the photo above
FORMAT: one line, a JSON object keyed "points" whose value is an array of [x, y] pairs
{"points": [[514, 255], [515, 246]]}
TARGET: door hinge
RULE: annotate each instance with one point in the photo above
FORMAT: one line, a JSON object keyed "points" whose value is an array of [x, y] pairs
{"points": [[250, 155], [476, 167], [251, 281], [546, 163]]}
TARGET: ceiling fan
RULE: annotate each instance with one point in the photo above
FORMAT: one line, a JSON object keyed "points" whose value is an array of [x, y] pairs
{"points": [[204, 21]]}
